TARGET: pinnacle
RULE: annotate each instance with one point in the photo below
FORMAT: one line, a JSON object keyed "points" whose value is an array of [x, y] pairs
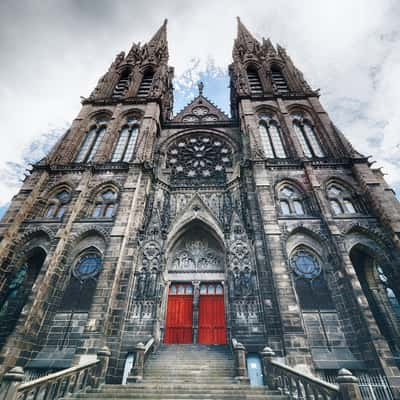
{"points": [[160, 36], [244, 35]]}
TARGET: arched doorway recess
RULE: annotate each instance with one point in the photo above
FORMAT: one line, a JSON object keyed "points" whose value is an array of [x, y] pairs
{"points": [[195, 310], [382, 295], [17, 292]]}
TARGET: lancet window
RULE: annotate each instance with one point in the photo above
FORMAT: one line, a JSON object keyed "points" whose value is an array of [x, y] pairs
{"points": [[105, 204], [123, 83], [341, 200], [57, 204], [92, 141], [306, 135], [319, 313], [291, 201], [254, 81], [145, 84], [278, 80], [80, 290], [126, 141], [271, 137]]}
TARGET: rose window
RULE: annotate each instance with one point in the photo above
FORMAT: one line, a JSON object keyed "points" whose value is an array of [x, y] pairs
{"points": [[199, 158]]}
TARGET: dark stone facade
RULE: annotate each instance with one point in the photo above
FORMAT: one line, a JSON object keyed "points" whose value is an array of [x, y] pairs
{"points": [[203, 198]]}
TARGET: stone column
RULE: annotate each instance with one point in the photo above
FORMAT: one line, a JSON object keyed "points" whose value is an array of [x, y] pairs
{"points": [[196, 300], [11, 380], [348, 385]]}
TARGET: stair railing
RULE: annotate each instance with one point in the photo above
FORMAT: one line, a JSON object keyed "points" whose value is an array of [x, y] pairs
{"points": [[61, 384], [298, 385], [239, 353], [141, 352]]}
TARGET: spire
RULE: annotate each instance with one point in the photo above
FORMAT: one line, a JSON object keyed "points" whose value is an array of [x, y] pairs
{"points": [[160, 36], [244, 37]]}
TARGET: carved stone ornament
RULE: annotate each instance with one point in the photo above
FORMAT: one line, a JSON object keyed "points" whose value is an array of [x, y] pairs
{"points": [[197, 256], [148, 277]]}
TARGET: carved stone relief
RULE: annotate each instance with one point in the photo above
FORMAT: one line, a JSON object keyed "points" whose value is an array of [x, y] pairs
{"points": [[196, 255]]}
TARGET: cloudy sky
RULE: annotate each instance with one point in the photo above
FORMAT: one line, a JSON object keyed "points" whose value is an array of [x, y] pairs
{"points": [[53, 52]]}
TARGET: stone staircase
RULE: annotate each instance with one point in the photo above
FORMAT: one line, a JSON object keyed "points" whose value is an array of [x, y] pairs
{"points": [[186, 372]]}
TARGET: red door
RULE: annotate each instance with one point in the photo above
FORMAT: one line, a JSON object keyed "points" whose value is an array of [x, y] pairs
{"points": [[178, 326], [212, 326]]}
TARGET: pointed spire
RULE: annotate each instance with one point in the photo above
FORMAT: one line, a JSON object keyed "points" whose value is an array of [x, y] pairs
{"points": [[244, 36], [160, 36]]}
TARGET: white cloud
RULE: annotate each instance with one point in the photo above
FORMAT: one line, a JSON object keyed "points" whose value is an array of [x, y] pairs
{"points": [[54, 52]]}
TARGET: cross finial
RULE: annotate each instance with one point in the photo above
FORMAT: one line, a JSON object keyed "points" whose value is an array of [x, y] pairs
{"points": [[201, 87]]}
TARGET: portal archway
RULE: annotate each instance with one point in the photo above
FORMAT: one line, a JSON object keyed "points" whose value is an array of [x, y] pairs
{"points": [[195, 309], [382, 296], [18, 290]]}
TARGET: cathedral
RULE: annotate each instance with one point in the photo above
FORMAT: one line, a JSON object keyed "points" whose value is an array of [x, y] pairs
{"points": [[264, 227]]}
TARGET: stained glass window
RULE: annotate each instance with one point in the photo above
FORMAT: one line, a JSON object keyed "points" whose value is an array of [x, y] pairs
{"points": [[88, 266]]}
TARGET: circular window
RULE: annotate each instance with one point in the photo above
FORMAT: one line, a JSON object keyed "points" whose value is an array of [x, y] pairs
{"points": [[88, 266], [305, 265]]}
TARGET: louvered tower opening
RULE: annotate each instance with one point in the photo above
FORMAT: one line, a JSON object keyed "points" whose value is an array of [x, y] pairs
{"points": [[279, 80], [145, 85], [123, 84], [254, 81]]}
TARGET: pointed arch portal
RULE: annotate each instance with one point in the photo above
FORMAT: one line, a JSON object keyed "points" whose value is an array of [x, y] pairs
{"points": [[195, 310]]}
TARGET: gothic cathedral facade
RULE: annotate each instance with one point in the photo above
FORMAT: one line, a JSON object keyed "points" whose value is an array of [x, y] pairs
{"points": [[265, 226]]}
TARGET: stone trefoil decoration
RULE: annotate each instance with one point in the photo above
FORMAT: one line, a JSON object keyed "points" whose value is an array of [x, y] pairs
{"points": [[197, 256], [199, 159]]}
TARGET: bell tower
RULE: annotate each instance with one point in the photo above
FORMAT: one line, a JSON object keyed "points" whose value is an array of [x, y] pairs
{"points": [[140, 76]]}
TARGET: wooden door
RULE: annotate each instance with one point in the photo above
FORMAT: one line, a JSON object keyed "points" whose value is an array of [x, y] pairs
{"points": [[212, 326], [178, 326]]}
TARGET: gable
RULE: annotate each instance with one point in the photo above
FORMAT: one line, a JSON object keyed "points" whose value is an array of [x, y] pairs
{"points": [[200, 111]]}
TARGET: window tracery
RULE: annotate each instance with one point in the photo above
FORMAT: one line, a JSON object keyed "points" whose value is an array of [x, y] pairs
{"points": [[199, 159], [271, 137], [341, 200], [126, 141], [105, 204], [78, 295], [291, 201], [92, 141], [58, 204], [306, 135]]}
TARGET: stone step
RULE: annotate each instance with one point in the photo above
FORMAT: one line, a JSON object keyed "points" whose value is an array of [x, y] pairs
{"points": [[134, 392]]}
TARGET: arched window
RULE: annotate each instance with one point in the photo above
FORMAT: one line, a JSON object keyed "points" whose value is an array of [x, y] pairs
{"points": [[146, 83], [278, 80], [271, 137], [291, 201], [80, 290], [319, 314], [105, 204], [123, 83], [254, 81], [305, 133], [92, 141], [340, 199], [389, 291], [57, 204], [14, 296], [127, 140]]}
